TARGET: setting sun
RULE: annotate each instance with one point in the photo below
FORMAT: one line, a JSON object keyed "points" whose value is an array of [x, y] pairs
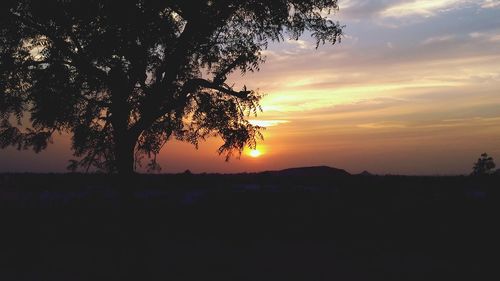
{"points": [[254, 153]]}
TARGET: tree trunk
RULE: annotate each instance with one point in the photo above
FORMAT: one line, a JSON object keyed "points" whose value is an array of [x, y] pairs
{"points": [[124, 141], [126, 184], [124, 156]]}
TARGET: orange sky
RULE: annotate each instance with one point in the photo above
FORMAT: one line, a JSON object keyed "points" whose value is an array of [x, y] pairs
{"points": [[414, 88]]}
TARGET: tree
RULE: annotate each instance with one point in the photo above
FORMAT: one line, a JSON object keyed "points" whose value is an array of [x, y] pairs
{"points": [[123, 77], [484, 166]]}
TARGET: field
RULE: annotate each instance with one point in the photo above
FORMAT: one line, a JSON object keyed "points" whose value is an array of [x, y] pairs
{"points": [[267, 226]]}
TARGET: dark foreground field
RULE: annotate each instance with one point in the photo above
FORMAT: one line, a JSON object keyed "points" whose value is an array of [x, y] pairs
{"points": [[249, 227]]}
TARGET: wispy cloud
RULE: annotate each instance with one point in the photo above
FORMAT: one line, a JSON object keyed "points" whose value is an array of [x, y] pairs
{"points": [[363, 9], [490, 4], [438, 39], [491, 37], [477, 121], [301, 44], [382, 125], [267, 123], [424, 8]]}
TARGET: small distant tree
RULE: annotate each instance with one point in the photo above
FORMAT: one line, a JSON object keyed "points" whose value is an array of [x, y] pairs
{"points": [[484, 165]]}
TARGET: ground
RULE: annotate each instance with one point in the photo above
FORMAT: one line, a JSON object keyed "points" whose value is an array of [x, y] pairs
{"points": [[248, 227]]}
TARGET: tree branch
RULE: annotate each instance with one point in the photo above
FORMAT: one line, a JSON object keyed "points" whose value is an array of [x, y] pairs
{"points": [[194, 83], [77, 59], [221, 76]]}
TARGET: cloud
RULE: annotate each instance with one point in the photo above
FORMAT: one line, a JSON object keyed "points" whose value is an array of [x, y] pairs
{"points": [[490, 4], [301, 44], [422, 8], [491, 37], [267, 123], [366, 9], [382, 125], [361, 9], [438, 39]]}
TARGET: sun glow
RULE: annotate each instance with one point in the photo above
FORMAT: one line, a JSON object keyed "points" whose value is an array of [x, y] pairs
{"points": [[255, 153]]}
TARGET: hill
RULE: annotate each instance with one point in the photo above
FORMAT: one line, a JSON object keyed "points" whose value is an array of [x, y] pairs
{"points": [[365, 173], [315, 171]]}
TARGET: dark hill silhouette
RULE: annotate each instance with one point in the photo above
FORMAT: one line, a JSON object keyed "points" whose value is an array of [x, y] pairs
{"points": [[365, 173], [315, 171]]}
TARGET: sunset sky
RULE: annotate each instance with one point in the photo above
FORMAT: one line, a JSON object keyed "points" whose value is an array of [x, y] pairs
{"points": [[414, 88]]}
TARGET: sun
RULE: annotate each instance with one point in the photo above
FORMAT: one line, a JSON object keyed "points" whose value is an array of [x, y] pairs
{"points": [[254, 153]]}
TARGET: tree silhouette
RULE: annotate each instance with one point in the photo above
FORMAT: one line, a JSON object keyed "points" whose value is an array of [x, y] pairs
{"points": [[124, 77], [484, 166]]}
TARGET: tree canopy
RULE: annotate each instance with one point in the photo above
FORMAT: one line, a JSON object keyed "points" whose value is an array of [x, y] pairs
{"points": [[123, 77]]}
